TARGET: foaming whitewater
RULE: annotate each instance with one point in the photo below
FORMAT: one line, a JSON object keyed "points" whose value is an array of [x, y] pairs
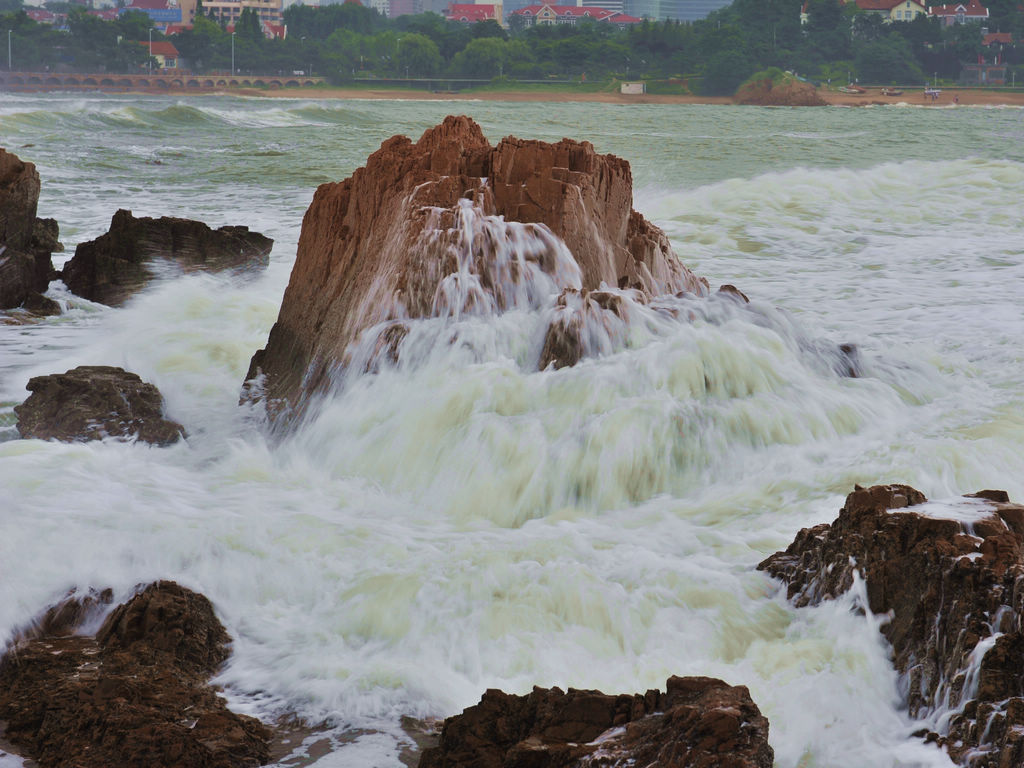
{"points": [[456, 519]]}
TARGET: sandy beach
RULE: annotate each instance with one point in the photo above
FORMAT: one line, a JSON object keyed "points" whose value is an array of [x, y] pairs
{"points": [[873, 96]]}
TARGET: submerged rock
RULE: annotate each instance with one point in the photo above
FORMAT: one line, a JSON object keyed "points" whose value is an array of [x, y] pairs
{"points": [[451, 226], [26, 241], [949, 577], [135, 693], [698, 722], [92, 402], [121, 262]]}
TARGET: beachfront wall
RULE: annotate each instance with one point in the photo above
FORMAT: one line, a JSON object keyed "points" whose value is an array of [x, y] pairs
{"points": [[51, 81]]}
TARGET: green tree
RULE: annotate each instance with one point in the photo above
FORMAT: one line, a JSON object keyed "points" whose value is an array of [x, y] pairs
{"points": [[248, 25], [888, 60], [199, 44], [418, 55], [483, 57]]}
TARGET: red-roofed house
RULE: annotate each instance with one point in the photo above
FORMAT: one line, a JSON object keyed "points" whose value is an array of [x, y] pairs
{"points": [[279, 31], [469, 13], [41, 15], [163, 51], [107, 14], [570, 14], [893, 10], [997, 38], [959, 13]]}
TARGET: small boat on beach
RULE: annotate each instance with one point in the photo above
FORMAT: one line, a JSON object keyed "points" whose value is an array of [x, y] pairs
{"points": [[852, 89], [892, 92]]}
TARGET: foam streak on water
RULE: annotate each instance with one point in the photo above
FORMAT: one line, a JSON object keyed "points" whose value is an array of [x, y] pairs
{"points": [[460, 520]]}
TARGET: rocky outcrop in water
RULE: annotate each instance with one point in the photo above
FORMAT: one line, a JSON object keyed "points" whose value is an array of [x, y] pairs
{"points": [[416, 233], [26, 241], [698, 722], [135, 693], [92, 402], [779, 90], [121, 262], [949, 575]]}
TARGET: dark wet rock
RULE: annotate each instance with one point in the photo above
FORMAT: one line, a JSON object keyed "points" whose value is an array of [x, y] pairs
{"points": [[582, 321], [38, 304], [26, 241], [92, 402], [19, 198], [135, 694], [121, 262], [952, 588], [381, 246], [698, 722], [731, 290], [18, 278]]}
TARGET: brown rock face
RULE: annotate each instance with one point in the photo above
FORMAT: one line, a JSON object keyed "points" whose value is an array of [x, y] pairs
{"points": [[698, 722], [92, 402], [415, 234], [950, 578], [116, 265], [26, 241], [788, 92], [135, 694]]}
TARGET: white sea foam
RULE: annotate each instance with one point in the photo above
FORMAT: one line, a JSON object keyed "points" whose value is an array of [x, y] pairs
{"points": [[462, 521]]}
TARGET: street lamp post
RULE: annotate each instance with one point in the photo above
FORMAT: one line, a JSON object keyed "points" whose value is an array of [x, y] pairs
{"points": [[232, 54], [151, 50], [9, 69]]}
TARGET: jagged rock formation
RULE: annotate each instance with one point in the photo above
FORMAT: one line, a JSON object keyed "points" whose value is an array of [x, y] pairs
{"points": [[26, 241], [92, 402], [121, 262], [779, 90], [416, 233], [950, 577], [698, 722], [135, 693]]}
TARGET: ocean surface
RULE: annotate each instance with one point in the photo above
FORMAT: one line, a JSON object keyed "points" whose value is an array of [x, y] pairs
{"points": [[466, 522]]}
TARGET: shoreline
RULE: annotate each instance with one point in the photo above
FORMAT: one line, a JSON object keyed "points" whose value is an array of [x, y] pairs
{"points": [[873, 97], [915, 97], [951, 96]]}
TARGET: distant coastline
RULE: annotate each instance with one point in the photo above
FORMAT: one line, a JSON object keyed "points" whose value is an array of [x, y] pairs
{"points": [[947, 97], [914, 97]]}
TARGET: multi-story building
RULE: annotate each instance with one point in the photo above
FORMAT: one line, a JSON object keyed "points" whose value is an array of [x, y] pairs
{"points": [[679, 10], [228, 11], [163, 13]]}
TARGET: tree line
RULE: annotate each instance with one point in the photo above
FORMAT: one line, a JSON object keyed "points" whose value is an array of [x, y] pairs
{"points": [[348, 41]]}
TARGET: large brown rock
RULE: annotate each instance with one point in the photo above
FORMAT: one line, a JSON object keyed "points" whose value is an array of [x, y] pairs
{"points": [[414, 234], [92, 402], [114, 266], [698, 722], [135, 694], [779, 91], [19, 198], [949, 577], [26, 241]]}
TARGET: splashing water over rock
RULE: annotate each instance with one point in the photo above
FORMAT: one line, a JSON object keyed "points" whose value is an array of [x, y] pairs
{"points": [[449, 226]]}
